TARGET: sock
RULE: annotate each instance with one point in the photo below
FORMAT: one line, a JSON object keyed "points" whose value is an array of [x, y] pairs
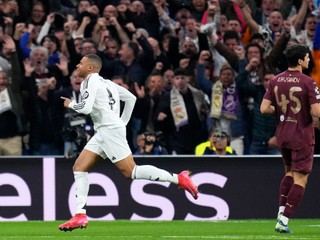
{"points": [[284, 220], [285, 187], [281, 209], [82, 190], [152, 173], [295, 197]]}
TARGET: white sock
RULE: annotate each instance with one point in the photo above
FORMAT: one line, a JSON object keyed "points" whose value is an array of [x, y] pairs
{"points": [[82, 190], [152, 173], [281, 209], [284, 220]]}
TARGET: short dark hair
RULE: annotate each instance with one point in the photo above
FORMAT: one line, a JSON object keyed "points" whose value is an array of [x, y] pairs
{"points": [[96, 60], [231, 34], [296, 52], [181, 72]]}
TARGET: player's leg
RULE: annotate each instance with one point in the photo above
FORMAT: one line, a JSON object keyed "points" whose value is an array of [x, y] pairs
{"points": [[286, 182], [88, 157], [301, 167], [118, 151], [82, 165], [284, 189], [148, 172]]}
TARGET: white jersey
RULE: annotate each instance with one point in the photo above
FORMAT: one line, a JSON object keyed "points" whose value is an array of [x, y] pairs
{"points": [[101, 99]]}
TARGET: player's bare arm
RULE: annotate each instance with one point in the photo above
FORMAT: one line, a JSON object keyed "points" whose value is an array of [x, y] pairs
{"points": [[266, 107], [315, 110]]}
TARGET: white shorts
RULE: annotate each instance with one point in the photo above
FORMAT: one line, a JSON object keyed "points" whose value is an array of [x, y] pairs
{"points": [[110, 143]]}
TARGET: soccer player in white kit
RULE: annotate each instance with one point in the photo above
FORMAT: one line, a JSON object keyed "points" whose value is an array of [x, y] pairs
{"points": [[101, 99]]}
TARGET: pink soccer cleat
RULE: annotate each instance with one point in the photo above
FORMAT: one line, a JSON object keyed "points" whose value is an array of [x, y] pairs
{"points": [[77, 221], [186, 183]]}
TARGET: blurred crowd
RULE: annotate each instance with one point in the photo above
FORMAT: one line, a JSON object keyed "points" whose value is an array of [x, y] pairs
{"points": [[198, 68]]}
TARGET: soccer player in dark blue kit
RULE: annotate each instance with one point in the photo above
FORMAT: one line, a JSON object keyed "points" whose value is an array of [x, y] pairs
{"points": [[295, 99]]}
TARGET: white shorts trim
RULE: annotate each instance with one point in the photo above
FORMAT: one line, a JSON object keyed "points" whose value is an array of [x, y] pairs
{"points": [[110, 143]]}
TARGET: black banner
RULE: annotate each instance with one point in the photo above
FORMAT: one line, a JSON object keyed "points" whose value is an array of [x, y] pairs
{"points": [[230, 188]]}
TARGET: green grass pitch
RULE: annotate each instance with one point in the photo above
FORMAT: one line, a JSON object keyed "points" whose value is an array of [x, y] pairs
{"points": [[303, 229]]}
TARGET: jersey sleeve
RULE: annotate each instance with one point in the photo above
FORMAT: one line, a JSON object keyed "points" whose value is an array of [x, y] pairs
{"points": [[88, 95], [268, 93], [314, 94], [129, 101]]}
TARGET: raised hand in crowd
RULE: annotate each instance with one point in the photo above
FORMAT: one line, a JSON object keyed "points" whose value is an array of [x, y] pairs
{"points": [[28, 68], [204, 57], [63, 65], [140, 92], [20, 28], [240, 51]]}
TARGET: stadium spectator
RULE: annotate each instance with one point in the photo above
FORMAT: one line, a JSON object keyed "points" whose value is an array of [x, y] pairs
{"points": [[13, 120], [149, 144], [261, 127], [218, 144], [182, 115], [226, 104]]}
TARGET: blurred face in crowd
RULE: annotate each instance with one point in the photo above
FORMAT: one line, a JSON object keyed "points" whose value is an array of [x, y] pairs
{"points": [[182, 16], [199, 5], [181, 83], [37, 13], [231, 43], [50, 45], [110, 11], [266, 78], [191, 28], [155, 84], [227, 77], [126, 54], [189, 48], [168, 78], [88, 48], [39, 58], [3, 80], [78, 44], [267, 6], [137, 7], [83, 6], [275, 21], [125, 2], [219, 141], [253, 52], [112, 48], [310, 25], [223, 23], [75, 81], [165, 43], [155, 46], [234, 25]]}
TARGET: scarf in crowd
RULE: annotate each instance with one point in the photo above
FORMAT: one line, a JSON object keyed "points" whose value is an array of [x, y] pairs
{"points": [[223, 101], [178, 107], [5, 102]]}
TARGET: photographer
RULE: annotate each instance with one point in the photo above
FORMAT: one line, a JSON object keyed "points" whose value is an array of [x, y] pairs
{"points": [[150, 144]]}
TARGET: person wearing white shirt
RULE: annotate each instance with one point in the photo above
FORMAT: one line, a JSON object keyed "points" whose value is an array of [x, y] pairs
{"points": [[101, 99]]}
